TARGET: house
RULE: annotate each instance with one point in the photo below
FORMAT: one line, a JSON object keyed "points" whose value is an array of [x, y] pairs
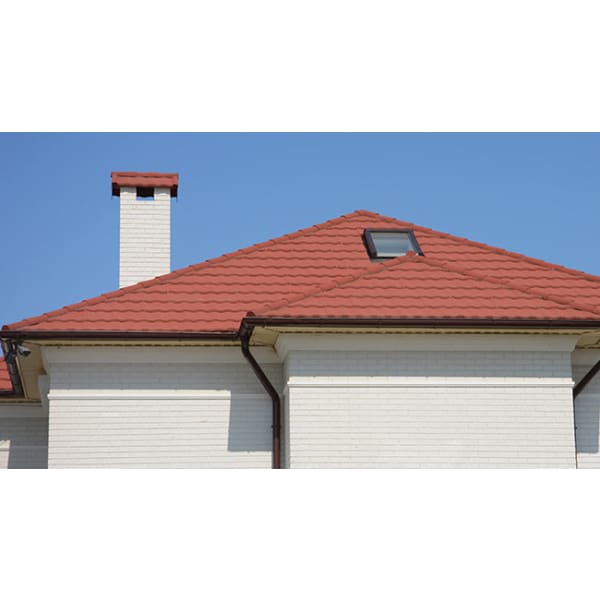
{"points": [[363, 341]]}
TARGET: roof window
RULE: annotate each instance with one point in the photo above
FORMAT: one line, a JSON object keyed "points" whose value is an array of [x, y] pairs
{"points": [[388, 243]]}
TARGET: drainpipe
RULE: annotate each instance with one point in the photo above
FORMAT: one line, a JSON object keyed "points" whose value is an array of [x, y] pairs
{"points": [[275, 399]]}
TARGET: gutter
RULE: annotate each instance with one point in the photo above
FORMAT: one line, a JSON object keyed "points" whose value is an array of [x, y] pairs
{"points": [[437, 323], [244, 336], [6, 334]]}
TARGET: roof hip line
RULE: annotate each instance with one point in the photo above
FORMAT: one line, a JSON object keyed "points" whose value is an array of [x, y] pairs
{"points": [[401, 260]]}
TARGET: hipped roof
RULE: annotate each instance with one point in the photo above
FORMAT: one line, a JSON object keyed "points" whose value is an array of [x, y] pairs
{"points": [[325, 271]]}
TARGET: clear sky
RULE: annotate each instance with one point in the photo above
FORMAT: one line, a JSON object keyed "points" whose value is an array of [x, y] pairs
{"points": [[538, 194]]}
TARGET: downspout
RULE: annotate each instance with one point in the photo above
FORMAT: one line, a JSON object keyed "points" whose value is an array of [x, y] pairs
{"points": [[245, 334]]}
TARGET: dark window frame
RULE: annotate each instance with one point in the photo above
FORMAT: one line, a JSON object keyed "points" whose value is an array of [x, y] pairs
{"points": [[372, 250]]}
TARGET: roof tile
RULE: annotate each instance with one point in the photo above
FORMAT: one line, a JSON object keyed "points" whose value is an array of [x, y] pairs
{"points": [[419, 287], [5, 382]]}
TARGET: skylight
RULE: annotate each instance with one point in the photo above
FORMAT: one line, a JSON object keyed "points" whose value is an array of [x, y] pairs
{"points": [[388, 243]]}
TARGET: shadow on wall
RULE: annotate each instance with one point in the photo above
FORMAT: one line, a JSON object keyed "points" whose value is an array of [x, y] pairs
{"points": [[249, 424], [430, 364], [587, 421], [24, 443], [587, 414]]}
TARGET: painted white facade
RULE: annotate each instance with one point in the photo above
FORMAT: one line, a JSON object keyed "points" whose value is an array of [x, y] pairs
{"points": [[158, 407], [367, 400], [428, 401], [145, 235]]}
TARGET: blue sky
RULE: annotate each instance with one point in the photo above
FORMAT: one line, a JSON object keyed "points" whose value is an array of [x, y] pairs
{"points": [[538, 194]]}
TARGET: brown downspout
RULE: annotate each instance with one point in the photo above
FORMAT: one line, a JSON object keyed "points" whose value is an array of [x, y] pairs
{"points": [[275, 399]]}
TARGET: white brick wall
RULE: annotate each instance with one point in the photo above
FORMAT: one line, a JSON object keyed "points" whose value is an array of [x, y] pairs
{"points": [[23, 438], [375, 401], [145, 236], [422, 407], [153, 407], [587, 410]]}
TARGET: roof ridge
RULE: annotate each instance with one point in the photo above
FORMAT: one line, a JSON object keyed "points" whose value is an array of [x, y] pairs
{"points": [[401, 260], [167, 277]]}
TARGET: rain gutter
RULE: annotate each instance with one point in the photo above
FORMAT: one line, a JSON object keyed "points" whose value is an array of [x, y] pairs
{"points": [[437, 323], [60, 336]]}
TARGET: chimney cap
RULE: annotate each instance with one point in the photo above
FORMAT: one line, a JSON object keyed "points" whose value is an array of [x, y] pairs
{"points": [[144, 182]]}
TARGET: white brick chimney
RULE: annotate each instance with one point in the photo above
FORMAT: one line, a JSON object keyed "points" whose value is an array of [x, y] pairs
{"points": [[145, 230]]}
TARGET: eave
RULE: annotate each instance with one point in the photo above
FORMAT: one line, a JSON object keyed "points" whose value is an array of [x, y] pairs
{"points": [[265, 331]]}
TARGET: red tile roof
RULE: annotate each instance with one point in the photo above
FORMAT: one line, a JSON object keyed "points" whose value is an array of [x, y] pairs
{"points": [[5, 383], [325, 271], [417, 287]]}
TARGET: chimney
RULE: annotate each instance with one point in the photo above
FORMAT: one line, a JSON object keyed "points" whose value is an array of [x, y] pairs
{"points": [[145, 230]]}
